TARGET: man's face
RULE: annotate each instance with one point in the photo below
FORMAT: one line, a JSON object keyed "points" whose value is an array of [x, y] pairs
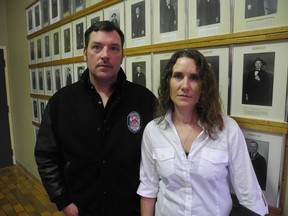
{"points": [[138, 69], [104, 55], [252, 147], [258, 65]]}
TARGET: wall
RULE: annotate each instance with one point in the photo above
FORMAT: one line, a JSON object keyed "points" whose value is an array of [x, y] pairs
{"points": [[3, 23], [19, 82]]}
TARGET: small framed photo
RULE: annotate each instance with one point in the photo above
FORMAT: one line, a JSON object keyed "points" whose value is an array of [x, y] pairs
{"points": [[138, 25], [267, 155], [41, 108], [169, 22], [79, 27], [55, 44], [218, 60], [30, 20], [138, 70], [259, 80], [66, 40], [37, 16], [160, 61], [251, 15], [94, 17], [45, 8], [48, 81], [41, 83], [46, 46], [38, 41], [66, 8], [67, 74], [35, 110], [32, 56], [89, 3], [55, 13], [207, 18], [78, 5], [57, 78], [34, 80], [115, 14], [79, 68]]}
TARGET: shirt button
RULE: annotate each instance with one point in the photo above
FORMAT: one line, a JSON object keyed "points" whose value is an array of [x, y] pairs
{"points": [[99, 102]]}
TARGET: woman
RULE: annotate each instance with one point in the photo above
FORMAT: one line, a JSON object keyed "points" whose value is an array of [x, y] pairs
{"points": [[191, 152]]}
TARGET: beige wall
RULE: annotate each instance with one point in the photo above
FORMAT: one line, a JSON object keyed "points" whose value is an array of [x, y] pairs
{"points": [[3, 23]]}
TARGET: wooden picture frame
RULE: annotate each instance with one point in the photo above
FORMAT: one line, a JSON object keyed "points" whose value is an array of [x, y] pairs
{"points": [[33, 80], [48, 80], [57, 78], [79, 28], [32, 53], [67, 74], [38, 43], [66, 41], [41, 81], [35, 110], [46, 44], [56, 44]]}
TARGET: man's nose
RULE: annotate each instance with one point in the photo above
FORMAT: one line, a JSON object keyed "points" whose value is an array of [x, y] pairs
{"points": [[105, 53]]}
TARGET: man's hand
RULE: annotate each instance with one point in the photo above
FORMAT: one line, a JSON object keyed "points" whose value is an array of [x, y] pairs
{"points": [[71, 210]]}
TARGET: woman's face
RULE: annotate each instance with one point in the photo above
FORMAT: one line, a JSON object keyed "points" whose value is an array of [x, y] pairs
{"points": [[185, 84]]}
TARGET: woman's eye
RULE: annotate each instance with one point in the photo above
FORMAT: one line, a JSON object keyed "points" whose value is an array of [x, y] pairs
{"points": [[177, 75], [194, 77]]}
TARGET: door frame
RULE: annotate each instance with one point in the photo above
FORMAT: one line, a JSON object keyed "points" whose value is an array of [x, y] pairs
{"points": [[10, 119]]}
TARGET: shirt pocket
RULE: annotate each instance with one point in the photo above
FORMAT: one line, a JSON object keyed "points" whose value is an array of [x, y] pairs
{"points": [[164, 158], [213, 164]]}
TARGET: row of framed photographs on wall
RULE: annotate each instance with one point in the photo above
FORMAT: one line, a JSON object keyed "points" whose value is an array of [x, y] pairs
{"points": [[252, 78], [146, 22]]}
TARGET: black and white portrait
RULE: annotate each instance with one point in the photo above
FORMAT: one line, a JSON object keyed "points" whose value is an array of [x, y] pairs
{"points": [[39, 49], [67, 40], [80, 36], [56, 43], [258, 78], [138, 19], [48, 80], [47, 45], [57, 79], [213, 62], [30, 20], [168, 15], [115, 17], [66, 7], [139, 73], [208, 12], [255, 8], [41, 80], [37, 16], [45, 12], [54, 9], [32, 51], [95, 19]]}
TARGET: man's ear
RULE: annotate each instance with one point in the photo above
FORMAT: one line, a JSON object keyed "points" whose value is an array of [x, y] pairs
{"points": [[84, 55]]}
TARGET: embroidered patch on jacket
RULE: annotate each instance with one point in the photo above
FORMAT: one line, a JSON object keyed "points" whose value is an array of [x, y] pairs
{"points": [[134, 122]]}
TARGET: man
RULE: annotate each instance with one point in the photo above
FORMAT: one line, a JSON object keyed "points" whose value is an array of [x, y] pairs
{"points": [[208, 12], [139, 76], [168, 17], [138, 23], [259, 164], [89, 142]]}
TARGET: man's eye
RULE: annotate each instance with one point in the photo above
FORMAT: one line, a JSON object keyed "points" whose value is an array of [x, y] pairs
{"points": [[115, 49], [97, 48]]}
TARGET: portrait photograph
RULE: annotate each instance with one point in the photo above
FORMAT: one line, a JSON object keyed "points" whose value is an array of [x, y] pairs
{"points": [[46, 40], [138, 25], [57, 78], [208, 17], [66, 8], [45, 8], [94, 17], [55, 44], [35, 110], [66, 40], [78, 5], [89, 3], [41, 109], [48, 81], [37, 16], [67, 74], [159, 62], [34, 81], [169, 20], [79, 68], [32, 57], [267, 154], [259, 14], [138, 70], [55, 13], [41, 83], [38, 41], [218, 60], [115, 14], [79, 28], [259, 80], [30, 20]]}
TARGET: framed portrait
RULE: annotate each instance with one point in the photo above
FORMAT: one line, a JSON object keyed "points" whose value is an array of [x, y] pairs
{"points": [[41, 108], [48, 81], [36, 129], [79, 68], [30, 20], [45, 8], [78, 5], [207, 18], [267, 154], [218, 60], [34, 80], [66, 8], [56, 77], [138, 70], [89, 3], [41, 83], [32, 56], [169, 20], [160, 60], [35, 110], [67, 74], [37, 16], [259, 80], [94, 17], [55, 13], [55, 43], [38, 43], [79, 28], [251, 15], [66, 40], [46, 40], [115, 14], [138, 24]]}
